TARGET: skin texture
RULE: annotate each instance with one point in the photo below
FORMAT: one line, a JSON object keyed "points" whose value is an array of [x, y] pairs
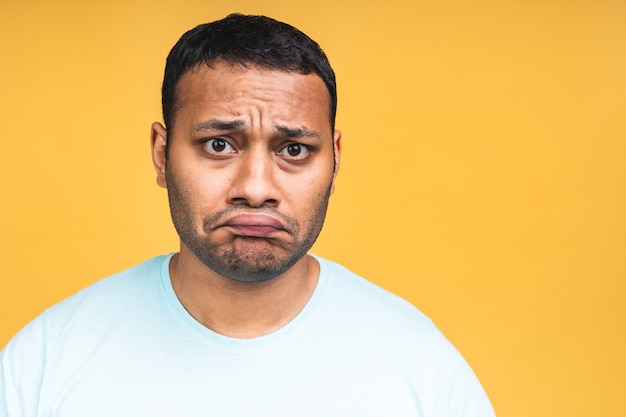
{"points": [[251, 163]]}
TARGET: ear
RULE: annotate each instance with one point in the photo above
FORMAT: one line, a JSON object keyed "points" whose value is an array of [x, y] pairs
{"points": [[337, 151], [158, 142]]}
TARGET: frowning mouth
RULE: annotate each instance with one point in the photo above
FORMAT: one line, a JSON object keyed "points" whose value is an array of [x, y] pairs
{"points": [[254, 225]]}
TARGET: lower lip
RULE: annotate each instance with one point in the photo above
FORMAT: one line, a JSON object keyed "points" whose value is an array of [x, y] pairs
{"points": [[254, 230]]}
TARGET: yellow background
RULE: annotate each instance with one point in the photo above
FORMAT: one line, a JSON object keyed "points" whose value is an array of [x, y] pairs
{"points": [[483, 177]]}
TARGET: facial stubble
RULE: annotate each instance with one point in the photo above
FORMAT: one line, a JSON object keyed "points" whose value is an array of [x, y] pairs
{"points": [[245, 259]]}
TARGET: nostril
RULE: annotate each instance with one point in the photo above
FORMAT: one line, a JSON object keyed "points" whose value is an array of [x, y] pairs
{"points": [[239, 201]]}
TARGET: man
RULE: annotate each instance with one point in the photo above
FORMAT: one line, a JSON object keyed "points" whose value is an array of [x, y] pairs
{"points": [[242, 321]]}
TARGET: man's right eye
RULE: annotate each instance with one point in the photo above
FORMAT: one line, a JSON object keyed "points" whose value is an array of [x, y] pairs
{"points": [[218, 146]]}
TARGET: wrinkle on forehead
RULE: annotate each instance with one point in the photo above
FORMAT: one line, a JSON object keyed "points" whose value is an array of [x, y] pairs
{"points": [[223, 86], [216, 126]]}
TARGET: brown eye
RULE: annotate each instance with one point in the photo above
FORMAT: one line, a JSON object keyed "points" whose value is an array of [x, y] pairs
{"points": [[218, 146], [295, 152], [294, 149]]}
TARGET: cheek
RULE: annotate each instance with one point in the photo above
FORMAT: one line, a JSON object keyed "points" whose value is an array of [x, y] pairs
{"points": [[187, 195], [312, 195], [203, 198], [199, 187]]}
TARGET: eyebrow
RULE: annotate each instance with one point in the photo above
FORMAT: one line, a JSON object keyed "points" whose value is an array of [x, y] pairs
{"points": [[297, 132], [217, 125]]}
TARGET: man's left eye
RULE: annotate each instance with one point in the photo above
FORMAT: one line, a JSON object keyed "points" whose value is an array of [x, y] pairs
{"points": [[294, 151]]}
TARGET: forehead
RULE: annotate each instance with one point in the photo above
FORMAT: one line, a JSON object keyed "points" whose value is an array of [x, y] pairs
{"points": [[227, 88]]}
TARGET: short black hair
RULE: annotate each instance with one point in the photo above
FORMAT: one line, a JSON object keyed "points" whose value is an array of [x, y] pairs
{"points": [[245, 40]]}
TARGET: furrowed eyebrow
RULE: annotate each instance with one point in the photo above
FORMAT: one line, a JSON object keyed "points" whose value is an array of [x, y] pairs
{"points": [[297, 132], [216, 125]]}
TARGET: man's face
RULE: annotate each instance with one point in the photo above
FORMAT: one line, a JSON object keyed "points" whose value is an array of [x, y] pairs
{"points": [[250, 167]]}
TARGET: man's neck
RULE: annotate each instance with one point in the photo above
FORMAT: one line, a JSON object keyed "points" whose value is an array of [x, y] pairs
{"points": [[242, 309]]}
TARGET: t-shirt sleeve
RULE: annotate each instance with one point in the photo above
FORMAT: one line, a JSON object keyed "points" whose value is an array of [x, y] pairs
{"points": [[21, 372], [459, 392]]}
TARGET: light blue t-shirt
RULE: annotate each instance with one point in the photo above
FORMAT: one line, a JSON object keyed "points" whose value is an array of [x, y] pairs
{"points": [[126, 347]]}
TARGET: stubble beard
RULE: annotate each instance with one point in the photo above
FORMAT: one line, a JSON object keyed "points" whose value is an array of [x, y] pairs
{"points": [[246, 259]]}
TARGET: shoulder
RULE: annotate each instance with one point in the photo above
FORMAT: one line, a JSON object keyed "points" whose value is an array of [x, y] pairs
{"points": [[381, 322], [117, 289], [106, 298], [352, 302], [56, 344], [357, 293]]}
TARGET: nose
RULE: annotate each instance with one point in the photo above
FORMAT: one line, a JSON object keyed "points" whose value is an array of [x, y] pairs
{"points": [[253, 183]]}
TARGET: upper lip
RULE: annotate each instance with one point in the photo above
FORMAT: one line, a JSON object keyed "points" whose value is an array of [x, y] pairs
{"points": [[253, 219]]}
